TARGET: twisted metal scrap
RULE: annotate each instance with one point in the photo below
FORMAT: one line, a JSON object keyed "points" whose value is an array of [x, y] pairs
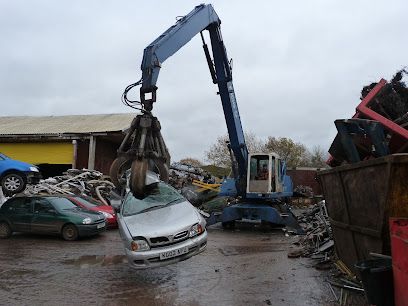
{"points": [[87, 182]]}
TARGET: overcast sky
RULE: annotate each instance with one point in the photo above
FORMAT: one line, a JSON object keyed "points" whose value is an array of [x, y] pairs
{"points": [[297, 65]]}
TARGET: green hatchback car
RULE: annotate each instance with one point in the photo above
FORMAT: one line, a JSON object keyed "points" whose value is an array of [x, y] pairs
{"points": [[49, 215]]}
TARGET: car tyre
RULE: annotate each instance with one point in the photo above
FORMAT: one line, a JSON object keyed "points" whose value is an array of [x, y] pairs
{"points": [[70, 232], [138, 177], [117, 171], [5, 230], [13, 183]]}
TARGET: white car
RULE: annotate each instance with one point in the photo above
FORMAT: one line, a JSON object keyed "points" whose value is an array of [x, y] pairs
{"points": [[160, 229]]}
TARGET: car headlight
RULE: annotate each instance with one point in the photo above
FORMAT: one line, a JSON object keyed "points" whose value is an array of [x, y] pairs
{"points": [[34, 169], [107, 215], [196, 229], [139, 245], [87, 221]]}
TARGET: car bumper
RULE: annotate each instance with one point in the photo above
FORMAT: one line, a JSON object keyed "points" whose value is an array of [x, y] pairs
{"points": [[112, 223], [90, 230], [33, 177], [151, 258]]}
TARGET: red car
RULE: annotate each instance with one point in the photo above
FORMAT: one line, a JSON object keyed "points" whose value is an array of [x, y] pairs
{"points": [[94, 205]]}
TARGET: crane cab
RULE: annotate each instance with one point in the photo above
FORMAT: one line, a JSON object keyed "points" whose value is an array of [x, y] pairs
{"points": [[267, 177]]}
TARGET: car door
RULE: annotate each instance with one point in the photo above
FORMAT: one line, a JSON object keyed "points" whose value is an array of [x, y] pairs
{"points": [[45, 217], [19, 213]]}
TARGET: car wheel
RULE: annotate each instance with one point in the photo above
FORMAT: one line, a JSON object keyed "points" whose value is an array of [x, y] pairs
{"points": [[138, 177], [117, 171], [5, 230], [70, 232], [13, 183]]}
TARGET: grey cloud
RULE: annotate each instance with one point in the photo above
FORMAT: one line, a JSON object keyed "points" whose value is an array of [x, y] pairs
{"points": [[298, 65]]}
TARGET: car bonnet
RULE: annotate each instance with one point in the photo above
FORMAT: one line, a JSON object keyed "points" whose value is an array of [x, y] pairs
{"points": [[95, 216], [162, 221]]}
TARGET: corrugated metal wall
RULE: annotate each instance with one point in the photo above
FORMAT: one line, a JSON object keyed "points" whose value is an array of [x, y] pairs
{"points": [[40, 152]]}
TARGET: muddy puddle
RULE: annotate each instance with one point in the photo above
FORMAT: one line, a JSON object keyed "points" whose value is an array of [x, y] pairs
{"points": [[88, 261]]}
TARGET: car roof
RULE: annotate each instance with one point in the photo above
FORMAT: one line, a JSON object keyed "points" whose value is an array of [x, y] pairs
{"points": [[41, 196]]}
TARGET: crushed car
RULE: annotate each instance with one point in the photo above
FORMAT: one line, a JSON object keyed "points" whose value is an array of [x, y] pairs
{"points": [[161, 228]]}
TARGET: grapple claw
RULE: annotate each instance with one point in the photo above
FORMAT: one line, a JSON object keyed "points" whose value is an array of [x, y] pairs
{"points": [[142, 149]]}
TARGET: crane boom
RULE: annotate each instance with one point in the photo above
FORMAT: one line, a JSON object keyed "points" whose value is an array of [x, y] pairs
{"points": [[202, 17], [170, 42], [260, 179]]}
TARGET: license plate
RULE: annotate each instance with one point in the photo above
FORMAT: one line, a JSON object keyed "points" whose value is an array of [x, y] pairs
{"points": [[100, 225], [174, 253]]}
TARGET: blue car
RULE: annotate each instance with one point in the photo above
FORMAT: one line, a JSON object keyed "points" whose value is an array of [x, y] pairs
{"points": [[14, 175]]}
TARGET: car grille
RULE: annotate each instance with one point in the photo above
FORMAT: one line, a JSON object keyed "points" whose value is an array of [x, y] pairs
{"points": [[180, 235], [156, 240], [169, 240]]}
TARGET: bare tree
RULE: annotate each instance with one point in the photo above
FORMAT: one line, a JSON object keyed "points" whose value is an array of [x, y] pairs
{"points": [[219, 155], [293, 152], [317, 157], [296, 154]]}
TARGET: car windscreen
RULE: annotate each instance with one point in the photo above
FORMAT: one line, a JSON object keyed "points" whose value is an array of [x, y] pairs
{"points": [[62, 203], [161, 195]]}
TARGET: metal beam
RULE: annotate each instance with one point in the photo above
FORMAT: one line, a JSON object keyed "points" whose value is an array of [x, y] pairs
{"points": [[92, 150]]}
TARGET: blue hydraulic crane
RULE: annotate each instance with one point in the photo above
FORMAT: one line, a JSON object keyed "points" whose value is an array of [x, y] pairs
{"points": [[260, 180]]}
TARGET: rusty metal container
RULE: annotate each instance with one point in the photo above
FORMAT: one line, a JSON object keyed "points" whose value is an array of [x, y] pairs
{"points": [[399, 247], [360, 198]]}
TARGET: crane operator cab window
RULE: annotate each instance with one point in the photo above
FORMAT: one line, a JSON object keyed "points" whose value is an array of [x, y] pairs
{"points": [[261, 174]]}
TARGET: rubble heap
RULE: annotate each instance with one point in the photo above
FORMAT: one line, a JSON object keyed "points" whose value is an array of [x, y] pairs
{"points": [[79, 182], [303, 191], [318, 238]]}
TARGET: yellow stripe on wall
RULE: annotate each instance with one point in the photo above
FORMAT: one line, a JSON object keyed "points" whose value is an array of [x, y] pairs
{"points": [[40, 152]]}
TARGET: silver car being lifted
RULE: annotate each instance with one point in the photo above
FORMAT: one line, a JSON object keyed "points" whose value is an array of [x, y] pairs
{"points": [[160, 229]]}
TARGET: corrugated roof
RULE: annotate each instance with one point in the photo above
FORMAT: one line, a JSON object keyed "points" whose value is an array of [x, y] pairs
{"points": [[73, 124]]}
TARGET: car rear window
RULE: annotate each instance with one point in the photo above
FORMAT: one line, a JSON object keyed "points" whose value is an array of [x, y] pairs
{"points": [[162, 195]]}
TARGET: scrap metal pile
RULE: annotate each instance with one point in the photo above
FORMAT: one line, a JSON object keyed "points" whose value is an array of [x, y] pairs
{"points": [[79, 182], [303, 191], [317, 244], [378, 128], [318, 239], [185, 177], [181, 175]]}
